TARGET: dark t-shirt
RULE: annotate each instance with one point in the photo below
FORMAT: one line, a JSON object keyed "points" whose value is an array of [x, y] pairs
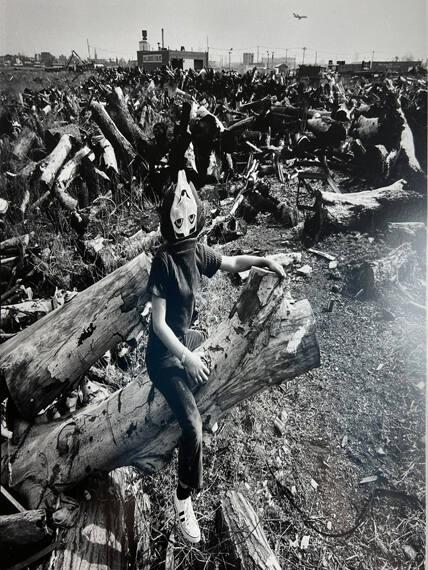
{"points": [[175, 275]]}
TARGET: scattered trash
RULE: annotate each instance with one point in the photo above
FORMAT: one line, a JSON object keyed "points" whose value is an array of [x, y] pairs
{"points": [[304, 542]]}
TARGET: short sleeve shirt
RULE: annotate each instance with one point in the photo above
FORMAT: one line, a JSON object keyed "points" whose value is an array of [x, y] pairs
{"points": [[175, 275]]}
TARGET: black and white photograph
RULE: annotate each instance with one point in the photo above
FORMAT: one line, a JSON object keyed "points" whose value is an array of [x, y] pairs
{"points": [[213, 220]]}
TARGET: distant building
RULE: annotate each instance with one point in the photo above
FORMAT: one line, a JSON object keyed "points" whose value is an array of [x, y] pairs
{"points": [[247, 58], [150, 60], [369, 68]]}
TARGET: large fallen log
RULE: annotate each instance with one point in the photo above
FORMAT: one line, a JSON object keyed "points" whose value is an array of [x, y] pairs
{"points": [[51, 355], [27, 527], [397, 265], [364, 211], [265, 341], [121, 145], [247, 540]]}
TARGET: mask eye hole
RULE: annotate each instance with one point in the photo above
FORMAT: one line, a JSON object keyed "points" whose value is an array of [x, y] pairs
{"points": [[179, 222], [192, 218]]}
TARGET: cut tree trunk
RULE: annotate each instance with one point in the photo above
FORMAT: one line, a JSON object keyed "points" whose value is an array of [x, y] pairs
{"points": [[108, 156], [52, 163], [397, 265], [265, 341], [27, 527], [407, 164], [15, 245], [362, 211], [98, 539], [109, 129], [66, 176], [247, 539], [51, 355]]}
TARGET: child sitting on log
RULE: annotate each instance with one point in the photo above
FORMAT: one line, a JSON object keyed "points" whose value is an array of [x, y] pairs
{"points": [[172, 357]]}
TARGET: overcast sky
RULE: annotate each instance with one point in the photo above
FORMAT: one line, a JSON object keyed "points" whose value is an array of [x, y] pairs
{"points": [[337, 29]]}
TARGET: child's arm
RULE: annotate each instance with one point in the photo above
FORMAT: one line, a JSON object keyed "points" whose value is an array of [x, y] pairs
{"points": [[237, 263], [191, 361]]}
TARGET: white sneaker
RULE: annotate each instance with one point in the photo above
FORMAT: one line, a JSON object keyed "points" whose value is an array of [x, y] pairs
{"points": [[187, 520]]}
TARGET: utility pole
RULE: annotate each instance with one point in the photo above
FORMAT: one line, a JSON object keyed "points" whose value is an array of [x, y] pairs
{"points": [[267, 60], [230, 51], [273, 53], [89, 52], [258, 56], [303, 58], [371, 65], [208, 57], [316, 57], [286, 54]]}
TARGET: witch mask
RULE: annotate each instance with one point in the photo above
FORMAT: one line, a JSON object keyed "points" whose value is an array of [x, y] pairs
{"points": [[184, 209]]}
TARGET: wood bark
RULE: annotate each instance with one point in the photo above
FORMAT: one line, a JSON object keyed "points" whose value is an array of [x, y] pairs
{"points": [[118, 109], [108, 154], [27, 527], [247, 540], [15, 244], [366, 130], [66, 176], [98, 539], [53, 162], [408, 164], [109, 129], [52, 354], [363, 211], [265, 341]]}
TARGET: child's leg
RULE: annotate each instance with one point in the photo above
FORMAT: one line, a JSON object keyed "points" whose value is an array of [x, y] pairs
{"points": [[182, 402]]}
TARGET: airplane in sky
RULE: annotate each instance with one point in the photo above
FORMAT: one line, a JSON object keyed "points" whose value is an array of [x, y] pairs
{"points": [[298, 16]]}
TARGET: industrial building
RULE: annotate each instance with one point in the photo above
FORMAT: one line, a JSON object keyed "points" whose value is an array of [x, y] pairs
{"points": [[149, 60]]}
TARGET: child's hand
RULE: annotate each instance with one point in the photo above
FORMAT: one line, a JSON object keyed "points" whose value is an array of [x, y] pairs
{"points": [[276, 267], [196, 367]]}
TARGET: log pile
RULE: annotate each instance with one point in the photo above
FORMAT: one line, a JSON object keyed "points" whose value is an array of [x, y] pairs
{"points": [[95, 172]]}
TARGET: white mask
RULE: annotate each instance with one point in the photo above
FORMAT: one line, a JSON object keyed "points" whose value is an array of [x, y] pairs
{"points": [[184, 209]]}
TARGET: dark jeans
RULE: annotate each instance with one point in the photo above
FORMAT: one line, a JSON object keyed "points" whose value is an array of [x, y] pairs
{"points": [[172, 381]]}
